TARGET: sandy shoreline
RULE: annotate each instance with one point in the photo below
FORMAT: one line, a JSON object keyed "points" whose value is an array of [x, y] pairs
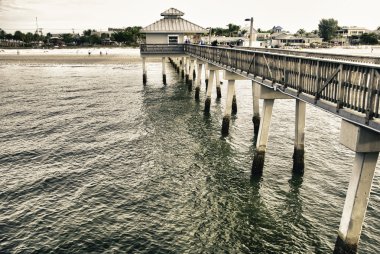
{"points": [[70, 59]]}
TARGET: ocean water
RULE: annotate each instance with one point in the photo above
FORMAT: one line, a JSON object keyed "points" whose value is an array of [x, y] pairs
{"points": [[92, 161]]}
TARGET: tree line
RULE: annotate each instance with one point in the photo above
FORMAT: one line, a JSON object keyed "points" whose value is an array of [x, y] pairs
{"points": [[129, 36], [327, 29]]}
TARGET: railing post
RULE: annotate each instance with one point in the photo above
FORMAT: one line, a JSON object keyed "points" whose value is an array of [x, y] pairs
{"points": [[317, 83], [285, 73], [370, 98], [299, 77], [254, 65], [340, 91]]}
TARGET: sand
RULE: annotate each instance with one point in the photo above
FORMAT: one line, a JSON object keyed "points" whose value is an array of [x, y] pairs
{"points": [[72, 56], [69, 59]]}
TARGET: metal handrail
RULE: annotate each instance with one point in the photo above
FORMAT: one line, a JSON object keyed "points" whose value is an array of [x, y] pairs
{"points": [[347, 84]]}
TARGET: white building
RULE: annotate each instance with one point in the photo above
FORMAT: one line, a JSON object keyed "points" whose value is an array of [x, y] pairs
{"points": [[282, 39], [173, 29], [350, 31]]}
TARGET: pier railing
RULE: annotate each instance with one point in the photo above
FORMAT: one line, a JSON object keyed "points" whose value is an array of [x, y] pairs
{"points": [[158, 49], [332, 56], [343, 84]]}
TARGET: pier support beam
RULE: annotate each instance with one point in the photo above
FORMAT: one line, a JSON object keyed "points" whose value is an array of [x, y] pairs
{"points": [[269, 96], [217, 81], [234, 104], [198, 81], [299, 140], [366, 145], [209, 92], [228, 109], [231, 77], [187, 69], [194, 71], [191, 71], [212, 69], [163, 71], [256, 107], [177, 63], [206, 75], [183, 67], [262, 140], [144, 70]]}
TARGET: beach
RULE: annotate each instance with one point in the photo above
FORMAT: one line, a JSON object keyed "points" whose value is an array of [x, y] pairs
{"points": [[70, 56]]}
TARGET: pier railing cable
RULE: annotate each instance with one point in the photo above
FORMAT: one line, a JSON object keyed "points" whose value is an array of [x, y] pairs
{"points": [[349, 89]]}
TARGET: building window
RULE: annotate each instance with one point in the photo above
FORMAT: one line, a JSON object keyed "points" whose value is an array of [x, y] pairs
{"points": [[173, 39]]}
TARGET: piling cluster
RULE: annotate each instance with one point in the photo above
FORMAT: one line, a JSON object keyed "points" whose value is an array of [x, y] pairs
{"points": [[364, 142]]}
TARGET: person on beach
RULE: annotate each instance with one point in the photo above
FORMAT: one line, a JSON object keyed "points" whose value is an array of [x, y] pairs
{"points": [[89, 53]]}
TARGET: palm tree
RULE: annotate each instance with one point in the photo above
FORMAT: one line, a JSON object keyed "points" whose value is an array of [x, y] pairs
{"points": [[232, 28], [301, 31]]}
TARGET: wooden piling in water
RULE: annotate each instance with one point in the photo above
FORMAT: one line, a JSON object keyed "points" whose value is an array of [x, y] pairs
{"points": [[198, 82], [144, 70], [299, 140]]}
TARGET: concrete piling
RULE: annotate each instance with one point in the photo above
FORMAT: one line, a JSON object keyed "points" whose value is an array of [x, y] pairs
{"points": [[262, 139], [228, 109], [183, 67], [366, 145], [256, 107], [234, 104], [190, 79], [144, 70], [163, 71], [299, 140], [178, 65], [206, 75], [209, 92], [187, 69], [217, 82], [198, 82]]}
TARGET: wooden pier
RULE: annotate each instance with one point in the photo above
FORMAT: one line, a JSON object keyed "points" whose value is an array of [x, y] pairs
{"points": [[346, 86], [348, 89], [341, 87]]}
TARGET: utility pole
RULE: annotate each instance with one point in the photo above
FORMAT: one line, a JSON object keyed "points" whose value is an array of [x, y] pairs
{"points": [[250, 31]]}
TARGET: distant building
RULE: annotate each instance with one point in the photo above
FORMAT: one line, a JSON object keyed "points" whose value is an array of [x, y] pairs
{"points": [[99, 33], [173, 29], [349, 34], [277, 29], [11, 43], [263, 36], [280, 40], [352, 31]]}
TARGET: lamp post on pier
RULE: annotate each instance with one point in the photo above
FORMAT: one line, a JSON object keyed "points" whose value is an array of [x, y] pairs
{"points": [[209, 35], [250, 30]]}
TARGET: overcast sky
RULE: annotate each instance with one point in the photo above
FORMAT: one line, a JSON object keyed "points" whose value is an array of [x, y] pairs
{"points": [[64, 15]]}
